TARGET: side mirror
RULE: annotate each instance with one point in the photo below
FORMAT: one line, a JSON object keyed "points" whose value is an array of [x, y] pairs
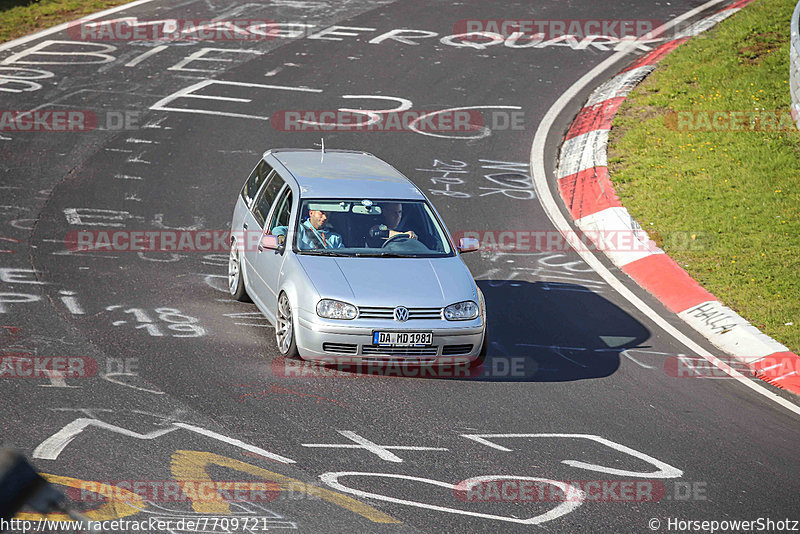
{"points": [[270, 242], [468, 244]]}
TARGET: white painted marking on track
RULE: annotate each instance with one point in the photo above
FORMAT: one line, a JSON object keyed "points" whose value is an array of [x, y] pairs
{"points": [[50, 448], [56, 380], [200, 55], [332, 480], [39, 50], [381, 451], [234, 442], [551, 208], [373, 114], [109, 378], [15, 77], [187, 92], [257, 315], [557, 350], [53, 446], [216, 281], [484, 132], [664, 470], [627, 354], [138, 159], [220, 98], [69, 300], [138, 59], [157, 124], [249, 152], [82, 254], [173, 257], [158, 222]]}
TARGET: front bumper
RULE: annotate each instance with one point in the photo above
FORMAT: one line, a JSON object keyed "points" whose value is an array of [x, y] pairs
{"points": [[341, 342]]}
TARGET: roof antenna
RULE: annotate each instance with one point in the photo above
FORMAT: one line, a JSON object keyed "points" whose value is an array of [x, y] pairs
{"points": [[322, 145]]}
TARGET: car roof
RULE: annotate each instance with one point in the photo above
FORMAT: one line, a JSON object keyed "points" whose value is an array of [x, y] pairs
{"points": [[344, 174]]}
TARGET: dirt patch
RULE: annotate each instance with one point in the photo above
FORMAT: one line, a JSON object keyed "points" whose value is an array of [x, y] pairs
{"points": [[759, 45]]}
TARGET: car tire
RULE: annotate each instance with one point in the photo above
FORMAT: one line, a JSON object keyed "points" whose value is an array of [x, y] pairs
{"points": [[284, 328], [235, 278]]}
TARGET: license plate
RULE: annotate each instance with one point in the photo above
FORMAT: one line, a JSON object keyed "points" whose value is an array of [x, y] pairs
{"points": [[402, 339]]}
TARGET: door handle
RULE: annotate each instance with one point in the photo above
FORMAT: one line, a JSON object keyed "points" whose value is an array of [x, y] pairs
{"points": [[244, 226]]}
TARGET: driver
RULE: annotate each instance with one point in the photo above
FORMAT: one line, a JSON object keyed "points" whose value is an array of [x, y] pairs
{"points": [[313, 233], [392, 213]]}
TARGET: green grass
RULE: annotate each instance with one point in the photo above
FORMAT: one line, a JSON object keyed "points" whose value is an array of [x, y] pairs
{"points": [[21, 17], [735, 191]]}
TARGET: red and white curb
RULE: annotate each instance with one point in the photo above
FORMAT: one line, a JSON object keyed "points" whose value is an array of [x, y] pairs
{"points": [[589, 195]]}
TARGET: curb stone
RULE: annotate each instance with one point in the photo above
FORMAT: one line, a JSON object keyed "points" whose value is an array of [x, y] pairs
{"points": [[590, 198]]}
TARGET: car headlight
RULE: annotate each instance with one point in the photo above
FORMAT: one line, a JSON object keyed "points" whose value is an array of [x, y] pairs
{"points": [[461, 311], [336, 309]]}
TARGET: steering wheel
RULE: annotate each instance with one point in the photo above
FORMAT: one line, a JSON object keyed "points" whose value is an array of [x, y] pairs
{"points": [[398, 238]]}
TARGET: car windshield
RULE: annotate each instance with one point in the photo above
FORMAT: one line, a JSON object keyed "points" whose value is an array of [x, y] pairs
{"points": [[397, 228]]}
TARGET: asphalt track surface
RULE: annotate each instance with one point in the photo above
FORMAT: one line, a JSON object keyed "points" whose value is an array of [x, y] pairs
{"points": [[568, 357]]}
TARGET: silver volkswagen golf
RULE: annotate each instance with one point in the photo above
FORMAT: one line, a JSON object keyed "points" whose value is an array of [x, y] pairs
{"points": [[351, 263]]}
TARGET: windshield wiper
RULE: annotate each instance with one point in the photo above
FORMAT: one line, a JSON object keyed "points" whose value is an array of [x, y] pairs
{"points": [[326, 253], [391, 255]]}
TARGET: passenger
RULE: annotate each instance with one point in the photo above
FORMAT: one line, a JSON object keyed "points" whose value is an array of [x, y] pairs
{"points": [[313, 234]]}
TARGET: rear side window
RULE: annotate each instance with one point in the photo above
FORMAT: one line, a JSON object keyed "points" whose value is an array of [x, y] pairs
{"points": [[283, 211], [253, 183], [267, 197]]}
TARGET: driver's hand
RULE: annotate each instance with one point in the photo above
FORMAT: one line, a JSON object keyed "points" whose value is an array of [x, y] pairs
{"points": [[411, 234]]}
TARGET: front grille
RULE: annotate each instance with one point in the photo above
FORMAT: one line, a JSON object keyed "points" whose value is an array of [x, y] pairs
{"points": [[411, 361], [388, 313], [452, 350], [342, 348], [369, 350]]}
